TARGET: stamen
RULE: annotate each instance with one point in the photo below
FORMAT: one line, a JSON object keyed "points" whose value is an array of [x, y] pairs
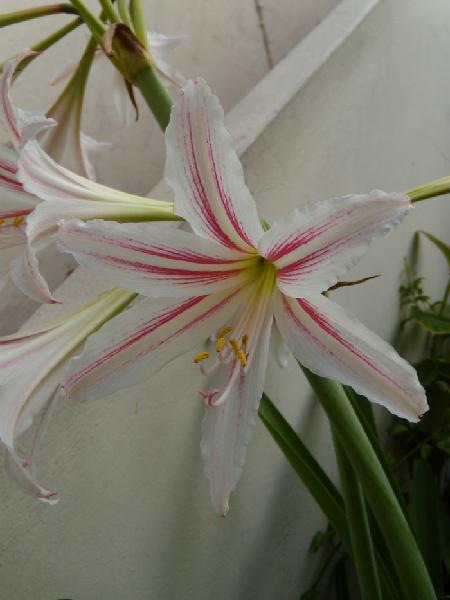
{"points": [[221, 340], [17, 221], [2, 221], [238, 352], [224, 331], [201, 356], [244, 342]]}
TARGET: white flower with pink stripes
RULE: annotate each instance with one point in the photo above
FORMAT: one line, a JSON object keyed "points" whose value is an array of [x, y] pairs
{"points": [[36, 192], [31, 365], [230, 279], [15, 202]]}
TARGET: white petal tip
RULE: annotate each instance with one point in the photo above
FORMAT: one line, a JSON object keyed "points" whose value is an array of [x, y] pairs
{"points": [[51, 498], [222, 508]]}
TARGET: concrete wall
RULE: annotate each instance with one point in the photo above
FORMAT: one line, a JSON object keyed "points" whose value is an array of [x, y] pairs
{"points": [[134, 520]]}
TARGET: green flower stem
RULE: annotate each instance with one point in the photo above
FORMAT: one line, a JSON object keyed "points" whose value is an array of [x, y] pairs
{"points": [[158, 100], [358, 524], [139, 71], [95, 25], [109, 11], [34, 13], [319, 486], [124, 12], [409, 564], [138, 19], [47, 42], [437, 187]]}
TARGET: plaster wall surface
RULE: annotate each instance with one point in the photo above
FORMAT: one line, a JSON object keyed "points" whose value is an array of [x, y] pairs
{"points": [[134, 520]]}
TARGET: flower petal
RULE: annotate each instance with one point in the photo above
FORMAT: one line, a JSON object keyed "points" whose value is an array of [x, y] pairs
{"points": [[15, 201], [331, 342], [279, 348], [312, 248], [21, 125], [67, 195], [162, 41], [155, 261], [29, 373], [205, 173], [24, 272], [227, 427], [137, 343]]}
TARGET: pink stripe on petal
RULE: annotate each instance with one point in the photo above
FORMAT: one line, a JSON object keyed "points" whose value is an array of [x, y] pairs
{"points": [[335, 334], [149, 327]]}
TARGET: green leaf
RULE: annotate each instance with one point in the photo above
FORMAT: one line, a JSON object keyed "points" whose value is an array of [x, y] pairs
{"points": [[437, 324], [424, 511], [444, 531], [318, 540], [319, 485], [427, 371], [440, 245], [310, 595], [306, 466]]}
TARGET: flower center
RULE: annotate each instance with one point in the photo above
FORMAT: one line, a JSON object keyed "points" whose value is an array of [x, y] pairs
{"points": [[235, 346]]}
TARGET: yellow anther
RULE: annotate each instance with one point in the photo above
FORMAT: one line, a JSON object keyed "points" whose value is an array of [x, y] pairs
{"points": [[220, 344], [224, 331], [221, 341], [201, 356], [2, 221], [244, 341], [238, 352], [17, 221]]}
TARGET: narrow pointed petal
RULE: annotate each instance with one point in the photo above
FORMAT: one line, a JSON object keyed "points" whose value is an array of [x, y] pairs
{"points": [[227, 427], [14, 200], [68, 195], [67, 144], [42, 176], [156, 262], [332, 343], [135, 344], [30, 364], [24, 272], [21, 125], [205, 173], [312, 248]]}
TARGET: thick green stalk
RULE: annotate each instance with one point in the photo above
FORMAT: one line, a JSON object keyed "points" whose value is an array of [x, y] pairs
{"points": [[158, 100], [319, 486], [405, 554], [34, 13], [358, 524], [138, 19]]}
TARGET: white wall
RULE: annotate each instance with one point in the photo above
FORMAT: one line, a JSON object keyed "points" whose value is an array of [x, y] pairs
{"points": [[134, 519]]}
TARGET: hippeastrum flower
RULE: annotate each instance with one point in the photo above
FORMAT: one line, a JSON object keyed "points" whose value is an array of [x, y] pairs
{"points": [[27, 181], [15, 203], [228, 279], [31, 364], [159, 45]]}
